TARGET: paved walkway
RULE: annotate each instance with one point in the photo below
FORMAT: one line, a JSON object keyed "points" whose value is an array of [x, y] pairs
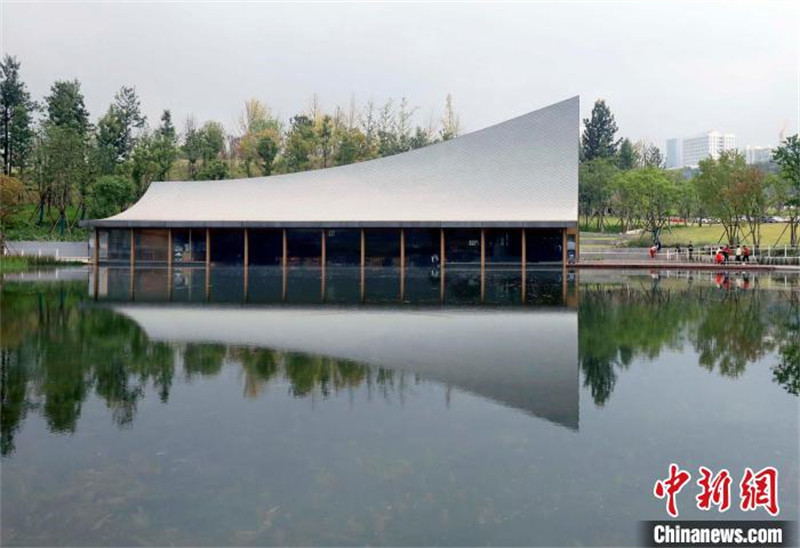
{"points": [[674, 265]]}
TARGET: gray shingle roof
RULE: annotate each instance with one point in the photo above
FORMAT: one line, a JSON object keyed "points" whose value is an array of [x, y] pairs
{"points": [[522, 172]]}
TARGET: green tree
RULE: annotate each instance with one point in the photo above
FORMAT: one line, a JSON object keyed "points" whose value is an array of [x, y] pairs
{"points": [[717, 193], [595, 190], [66, 109], [627, 157], [165, 146], [213, 170], [110, 194], [787, 156], [599, 133], [300, 143], [652, 196], [267, 150], [116, 136], [16, 110]]}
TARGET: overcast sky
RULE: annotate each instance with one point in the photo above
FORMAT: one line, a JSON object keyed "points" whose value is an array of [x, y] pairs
{"points": [[666, 69]]}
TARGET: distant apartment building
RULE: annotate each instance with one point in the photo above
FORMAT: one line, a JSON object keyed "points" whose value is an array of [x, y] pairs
{"points": [[674, 153], [707, 145], [757, 155]]}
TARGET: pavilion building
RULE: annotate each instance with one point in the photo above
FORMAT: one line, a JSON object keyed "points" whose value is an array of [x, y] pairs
{"points": [[507, 194]]}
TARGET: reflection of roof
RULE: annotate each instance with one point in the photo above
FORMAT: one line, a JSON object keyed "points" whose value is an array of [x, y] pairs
{"points": [[523, 359], [523, 172]]}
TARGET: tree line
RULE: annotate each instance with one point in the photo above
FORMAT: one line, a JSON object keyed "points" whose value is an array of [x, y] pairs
{"points": [[72, 169], [629, 183]]}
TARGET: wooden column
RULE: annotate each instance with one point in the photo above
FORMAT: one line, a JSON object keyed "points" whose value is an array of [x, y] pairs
{"points": [[169, 263], [483, 264], [285, 251], [246, 248], [169, 248], [564, 247], [96, 247], [133, 249], [208, 248], [524, 265], [323, 259]]}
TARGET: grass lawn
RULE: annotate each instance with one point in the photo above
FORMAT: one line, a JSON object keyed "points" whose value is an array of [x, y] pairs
{"points": [[15, 263], [712, 234], [22, 226]]}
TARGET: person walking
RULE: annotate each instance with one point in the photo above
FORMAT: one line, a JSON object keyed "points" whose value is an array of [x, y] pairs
{"points": [[746, 254], [739, 253], [691, 251]]}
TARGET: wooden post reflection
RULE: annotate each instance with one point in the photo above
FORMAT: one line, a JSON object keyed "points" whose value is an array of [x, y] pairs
{"points": [[524, 265], [169, 264]]}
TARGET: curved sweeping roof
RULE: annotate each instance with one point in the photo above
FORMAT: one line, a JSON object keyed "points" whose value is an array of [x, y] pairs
{"points": [[522, 172]]}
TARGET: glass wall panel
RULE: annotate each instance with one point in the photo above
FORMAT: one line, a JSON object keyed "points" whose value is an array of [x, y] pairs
{"points": [[119, 244], [343, 247], [265, 246], [102, 238], [305, 246], [421, 245], [463, 245], [544, 245], [151, 244], [503, 245], [197, 244], [382, 247], [227, 246], [182, 245]]}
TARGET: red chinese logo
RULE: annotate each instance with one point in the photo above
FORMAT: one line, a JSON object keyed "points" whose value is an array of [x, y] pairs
{"points": [[760, 490], [716, 490], [756, 489], [671, 486]]}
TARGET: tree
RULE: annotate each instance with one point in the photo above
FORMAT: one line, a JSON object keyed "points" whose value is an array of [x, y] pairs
{"points": [[353, 147], [595, 190], [451, 125], [16, 109], [651, 194], [66, 109], [258, 128], [649, 155], [213, 140], [716, 191], [267, 150], [787, 156], [192, 145], [11, 197], [110, 195], [213, 170], [300, 143], [165, 146], [598, 134], [755, 195], [627, 158], [115, 130]]}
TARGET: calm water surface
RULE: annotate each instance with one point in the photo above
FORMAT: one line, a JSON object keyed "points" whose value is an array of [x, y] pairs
{"points": [[196, 410]]}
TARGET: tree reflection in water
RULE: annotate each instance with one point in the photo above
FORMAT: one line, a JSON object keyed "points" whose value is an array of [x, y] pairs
{"points": [[57, 349]]}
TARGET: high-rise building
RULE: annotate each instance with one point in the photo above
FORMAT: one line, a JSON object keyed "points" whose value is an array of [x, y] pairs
{"points": [[757, 155], [707, 145], [674, 153]]}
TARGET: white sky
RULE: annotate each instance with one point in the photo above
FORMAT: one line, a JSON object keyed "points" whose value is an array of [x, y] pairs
{"points": [[665, 68]]}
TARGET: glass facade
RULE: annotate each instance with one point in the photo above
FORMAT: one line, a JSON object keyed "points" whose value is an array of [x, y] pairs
{"points": [[342, 246]]}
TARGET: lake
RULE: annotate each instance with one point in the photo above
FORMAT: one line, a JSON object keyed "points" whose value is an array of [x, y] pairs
{"points": [[293, 407]]}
